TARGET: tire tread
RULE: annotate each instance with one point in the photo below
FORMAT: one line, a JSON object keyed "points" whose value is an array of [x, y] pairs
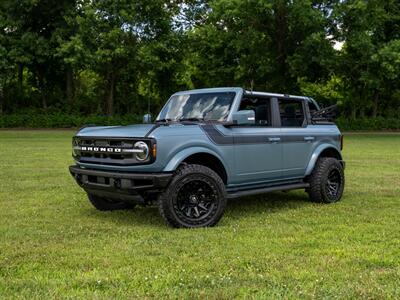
{"points": [[182, 171], [315, 191]]}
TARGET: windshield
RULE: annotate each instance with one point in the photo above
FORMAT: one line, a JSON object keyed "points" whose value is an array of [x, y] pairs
{"points": [[204, 106]]}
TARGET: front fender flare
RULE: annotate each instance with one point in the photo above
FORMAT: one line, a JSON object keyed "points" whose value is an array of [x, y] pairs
{"points": [[317, 152], [177, 159]]}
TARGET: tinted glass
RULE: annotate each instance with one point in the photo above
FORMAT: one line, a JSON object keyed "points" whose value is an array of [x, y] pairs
{"points": [[291, 112], [261, 108]]}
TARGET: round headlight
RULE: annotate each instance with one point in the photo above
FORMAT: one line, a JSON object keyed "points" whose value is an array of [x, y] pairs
{"points": [[142, 146]]}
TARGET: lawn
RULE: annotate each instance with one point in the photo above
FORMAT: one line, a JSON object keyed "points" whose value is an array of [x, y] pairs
{"points": [[54, 244]]}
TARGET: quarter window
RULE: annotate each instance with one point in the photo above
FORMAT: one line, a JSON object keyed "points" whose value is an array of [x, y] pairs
{"points": [[292, 114]]}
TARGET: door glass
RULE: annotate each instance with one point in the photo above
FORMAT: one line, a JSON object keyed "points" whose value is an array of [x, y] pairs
{"points": [[292, 114], [261, 108]]}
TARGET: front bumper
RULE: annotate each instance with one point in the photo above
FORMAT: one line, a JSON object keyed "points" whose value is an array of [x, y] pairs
{"points": [[120, 186]]}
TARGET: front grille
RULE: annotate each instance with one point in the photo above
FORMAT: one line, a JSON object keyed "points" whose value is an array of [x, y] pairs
{"points": [[108, 151]]}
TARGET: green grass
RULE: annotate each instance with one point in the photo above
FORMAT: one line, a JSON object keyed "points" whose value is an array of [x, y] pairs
{"points": [[53, 243]]}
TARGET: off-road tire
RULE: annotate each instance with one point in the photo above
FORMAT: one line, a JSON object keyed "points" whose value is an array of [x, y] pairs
{"points": [[319, 190], [104, 204], [190, 186]]}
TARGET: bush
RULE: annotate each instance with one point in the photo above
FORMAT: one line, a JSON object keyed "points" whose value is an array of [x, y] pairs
{"points": [[63, 120], [369, 124], [37, 119]]}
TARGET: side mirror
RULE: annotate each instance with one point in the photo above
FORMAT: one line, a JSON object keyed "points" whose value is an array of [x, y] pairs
{"points": [[147, 118], [244, 117]]}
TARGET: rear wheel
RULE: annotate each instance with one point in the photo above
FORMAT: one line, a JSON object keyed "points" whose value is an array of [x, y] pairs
{"points": [[326, 181], [195, 198], [105, 204]]}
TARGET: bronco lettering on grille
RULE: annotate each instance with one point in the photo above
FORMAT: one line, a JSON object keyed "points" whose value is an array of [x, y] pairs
{"points": [[101, 149]]}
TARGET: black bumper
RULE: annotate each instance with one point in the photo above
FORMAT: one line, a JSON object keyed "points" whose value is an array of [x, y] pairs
{"points": [[120, 186]]}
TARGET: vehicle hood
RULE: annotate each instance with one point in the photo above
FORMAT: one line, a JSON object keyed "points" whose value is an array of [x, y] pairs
{"points": [[139, 130], [142, 130]]}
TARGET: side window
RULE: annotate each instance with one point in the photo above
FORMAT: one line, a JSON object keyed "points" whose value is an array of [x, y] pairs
{"points": [[292, 114], [261, 107]]}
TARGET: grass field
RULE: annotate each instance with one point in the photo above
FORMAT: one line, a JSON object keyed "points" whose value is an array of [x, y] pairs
{"points": [[53, 243]]}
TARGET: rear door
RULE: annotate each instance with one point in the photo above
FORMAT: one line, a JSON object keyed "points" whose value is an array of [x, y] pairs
{"points": [[297, 140], [258, 151]]}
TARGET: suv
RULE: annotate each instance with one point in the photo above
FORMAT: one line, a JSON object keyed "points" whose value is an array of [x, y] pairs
{"points": [[209, 145]]}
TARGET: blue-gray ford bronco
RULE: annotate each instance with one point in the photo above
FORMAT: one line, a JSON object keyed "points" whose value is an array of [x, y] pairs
{"points": [[207, 146]]}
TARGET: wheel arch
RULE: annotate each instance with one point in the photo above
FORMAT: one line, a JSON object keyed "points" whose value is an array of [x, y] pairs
{"points": [[200, 156], [324, 150]]}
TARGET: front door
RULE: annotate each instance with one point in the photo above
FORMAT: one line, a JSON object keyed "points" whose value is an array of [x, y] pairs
{"points": [[258, 148]]}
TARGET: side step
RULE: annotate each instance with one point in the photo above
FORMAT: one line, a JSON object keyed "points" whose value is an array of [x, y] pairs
{"points": [[275, 188]]}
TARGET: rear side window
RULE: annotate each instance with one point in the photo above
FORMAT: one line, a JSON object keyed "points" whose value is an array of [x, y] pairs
{"points": [[261, 108], [292, 113]]}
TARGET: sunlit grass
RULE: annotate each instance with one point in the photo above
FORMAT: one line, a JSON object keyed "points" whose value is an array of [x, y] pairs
{"points": [[53, 243]]}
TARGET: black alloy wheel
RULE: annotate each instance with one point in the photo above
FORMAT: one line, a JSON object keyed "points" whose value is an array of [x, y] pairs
{"points": [[333, 183], [326, 181], [194, 198]]}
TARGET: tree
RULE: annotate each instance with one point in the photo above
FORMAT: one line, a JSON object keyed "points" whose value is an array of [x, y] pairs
{"points": [[105, 56], [29, 28], [110, 35], [260, 44], [366, 27]]}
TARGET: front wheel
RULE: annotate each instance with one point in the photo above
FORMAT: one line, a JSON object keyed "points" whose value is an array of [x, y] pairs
{"points": [[195, 198], [326, 181]]}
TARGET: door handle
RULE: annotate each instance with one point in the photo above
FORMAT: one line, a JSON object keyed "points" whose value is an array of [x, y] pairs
{"points": [[274, 139], [309, 138]]}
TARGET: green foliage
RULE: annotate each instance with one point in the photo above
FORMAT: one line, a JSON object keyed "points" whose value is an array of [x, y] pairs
{"points": [[328, 93], [369, 124], [260, 44], [57, 119], [108, 57], [370, 30]]}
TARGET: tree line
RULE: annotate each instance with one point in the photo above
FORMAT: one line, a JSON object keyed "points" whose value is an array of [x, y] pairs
{"points": [[109, 57]]}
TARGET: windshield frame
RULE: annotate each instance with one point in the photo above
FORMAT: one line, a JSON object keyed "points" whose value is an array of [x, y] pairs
{"points": [[235, 95]]}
